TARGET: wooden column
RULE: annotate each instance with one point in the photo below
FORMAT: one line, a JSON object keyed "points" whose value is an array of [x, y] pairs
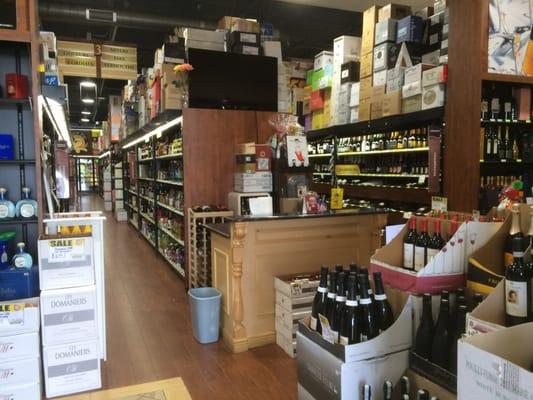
{"points": [[237, 309]]}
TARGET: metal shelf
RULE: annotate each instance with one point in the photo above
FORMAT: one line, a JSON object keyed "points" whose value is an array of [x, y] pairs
{"points": [[146, 179], [383, 176], [147, 217], [171, 235], [174, 210], [179, 269], [146, 198], [169, 156], [319, 155], [374, 152], [18, 221], [173, 183], [17, 162]]}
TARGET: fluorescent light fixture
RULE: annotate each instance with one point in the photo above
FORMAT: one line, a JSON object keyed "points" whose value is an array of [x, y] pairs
{"points": [[85, 120], [56, 114], [156, 131], [88, 101], [88, 84], [86, 112], [104, 154]]}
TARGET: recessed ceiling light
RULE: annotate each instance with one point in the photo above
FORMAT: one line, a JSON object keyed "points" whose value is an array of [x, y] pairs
{"points": [[89, 84], [86, 112], [85, 120], [88, 101]]}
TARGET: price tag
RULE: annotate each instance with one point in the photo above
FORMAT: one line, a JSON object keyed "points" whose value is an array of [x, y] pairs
{"points": [[337, 195], [11, 314], [327, 332], [63, 250], [421, 179], [439, 203]]}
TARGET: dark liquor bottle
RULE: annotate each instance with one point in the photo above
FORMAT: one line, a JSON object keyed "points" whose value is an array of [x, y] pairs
{"points": [[338, 311], [495, 104], [409, 246], [320, 300], [384, 315], [405, 387], [501, 145], [460, 329], [516, 287], [477, 298], [424, 334], [514, 232], [350, 333], [368, 327], [485, 115], [441, 341], [421, 245], [387, 390], [367, 392], [329, 307], [508, 145], [508, 105], [436, 243], [444, 294], [422, 394], [364, 271], [488, 144]]}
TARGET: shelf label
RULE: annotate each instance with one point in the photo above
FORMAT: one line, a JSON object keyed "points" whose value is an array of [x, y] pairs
{"points": [[439, 203]]}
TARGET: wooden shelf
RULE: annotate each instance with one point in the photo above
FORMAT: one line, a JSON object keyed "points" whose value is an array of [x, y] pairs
{"points": [[489, 76], [11, 35], [374, 152]]}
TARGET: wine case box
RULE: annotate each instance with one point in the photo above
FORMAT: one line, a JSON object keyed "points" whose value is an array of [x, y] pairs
{"points": [[71, 368], [19, 283], [21, 392], [433, 96], [19, 346], [69, 315], [324, 376], [489, 315], [385, 31], [288, 344], [433, 372], [322, 59], [296, 286], [20, 372], [66, 262], [418, 381], [370, 18], [249, 183], [446, 271], [397, 338], [392, 103], [107, 186], [21, 316], [412, 104], [396, 11], [288, 318], [496, 365]]}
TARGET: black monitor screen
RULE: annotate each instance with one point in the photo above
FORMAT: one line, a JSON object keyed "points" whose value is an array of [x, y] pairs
{"points": [[232, 81]]}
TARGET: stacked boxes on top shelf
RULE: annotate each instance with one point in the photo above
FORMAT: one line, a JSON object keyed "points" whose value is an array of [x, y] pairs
{"points": [[321, 80], [346, 66], [108, 189], [118, 193], [253, 168]]}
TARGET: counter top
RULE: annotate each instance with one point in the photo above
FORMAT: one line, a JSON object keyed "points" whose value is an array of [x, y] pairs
{"points": [[224, 229]]}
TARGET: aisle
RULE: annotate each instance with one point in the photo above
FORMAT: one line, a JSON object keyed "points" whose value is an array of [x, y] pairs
{"points": [[149, 334]]}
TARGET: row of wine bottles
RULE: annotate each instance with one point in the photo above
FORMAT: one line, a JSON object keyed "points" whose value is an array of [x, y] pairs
{"points": [[346, 301], [405, 391], [419, 248], [500, 144], [397, 140], [518, 286]]}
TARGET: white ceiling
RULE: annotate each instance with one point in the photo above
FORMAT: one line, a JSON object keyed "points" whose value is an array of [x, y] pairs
{"points": [[358, 5]]}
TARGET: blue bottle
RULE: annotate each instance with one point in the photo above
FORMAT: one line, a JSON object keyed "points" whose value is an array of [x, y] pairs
{"points": [[26, 207], [21, 259], [7, 208], [4, 258]]}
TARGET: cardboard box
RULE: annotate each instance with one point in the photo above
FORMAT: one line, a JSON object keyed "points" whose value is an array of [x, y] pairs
{"points": [[203, 35], [322, 59], [367, 62], [121, 215], [385, 56], [317, 120], [69, 315], [71, 368], [107, 186], [376, 107], [440, 5], [418, 381], [392, 103], [245, 25], [433, 96], [66, 262], [249, 183], [496, 365], [346, 49], [19, 346], [410, 29], [385, 31], [412, 89], [350, 72], [19, 283], [273, 49], [354, 94], [489, 316], [204, 45], [380, 78], [23, 317], [364, 109], [370, 18], [431, 58], [395, 11], [263, 157], [354, 115], [16, 372], [251, 50], [365, 89], [317, 100], [245, 148], [21, 392], [412, 104], [395, 79], [414, 73], [434, 76]]}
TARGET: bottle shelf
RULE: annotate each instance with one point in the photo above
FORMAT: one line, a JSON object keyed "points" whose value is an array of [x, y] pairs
{"points": [[176, 266], [321, 173], [319, 155], [17, 162], [147, 239], [146, 179], [134, 223], [172, 209], [173, 183], [504, 122], [171, 235], [406, 176], [148, 218], [145, 160], [375, 152], [8, 102], [18, 221], [131, 192], [169, 156], [490, 76], [146, 198]]}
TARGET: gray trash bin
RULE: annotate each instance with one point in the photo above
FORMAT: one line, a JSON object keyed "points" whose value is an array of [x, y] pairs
{"points": [[205, 313]]}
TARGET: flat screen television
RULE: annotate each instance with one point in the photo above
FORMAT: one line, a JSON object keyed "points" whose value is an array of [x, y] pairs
{"points": [[232, 81]]}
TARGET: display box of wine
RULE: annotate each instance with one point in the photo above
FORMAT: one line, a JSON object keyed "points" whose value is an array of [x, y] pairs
{"points": [[432, 371], [496, 365], [20, 371], [324, 376], [19, 316], [446, 271], [21, 392], [417, 382], [19, 346], [65, 262], [489, 315], [397, 338]]}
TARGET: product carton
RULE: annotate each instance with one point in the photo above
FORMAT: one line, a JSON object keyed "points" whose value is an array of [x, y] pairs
{"points": [[412, 104], [350, 72], [367, 61], [380, 78], [385, 31], [418, 381], [496, 365], [66, 262], [385, 56], [71, 368], [434, 76], [431, 58], [249, 183], [412, 89], [489, 316], [19, 316], [433, 96], [354, 94], [370, 18], [19, 346], [365, 88], [446, 270], [69, 315], [354, 115], [392, 103], [410, 29], [21, 392], [191, 34], [19, 371], [396, 11], [317, 100], [346, 49], [414, 74], [364, 109], [322, 59]]}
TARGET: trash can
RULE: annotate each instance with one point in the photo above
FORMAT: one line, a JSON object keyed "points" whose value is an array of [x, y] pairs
{"points": [[205, 313]]}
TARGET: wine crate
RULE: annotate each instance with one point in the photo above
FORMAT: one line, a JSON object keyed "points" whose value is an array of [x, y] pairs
{"points": [[199, 256], [20, 316], [288, 344]]}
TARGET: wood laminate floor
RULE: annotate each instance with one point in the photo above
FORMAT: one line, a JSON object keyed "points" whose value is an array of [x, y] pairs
{"points": [[149, 334]]}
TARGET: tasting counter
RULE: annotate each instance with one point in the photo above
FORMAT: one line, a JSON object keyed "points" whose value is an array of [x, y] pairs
{"points": [[248, 252]]}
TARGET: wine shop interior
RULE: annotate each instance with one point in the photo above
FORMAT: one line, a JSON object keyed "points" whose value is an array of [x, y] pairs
{"points": [[276, 199]]}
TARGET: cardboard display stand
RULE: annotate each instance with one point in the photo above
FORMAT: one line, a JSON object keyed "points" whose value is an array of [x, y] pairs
{"points": [[489, 316]]}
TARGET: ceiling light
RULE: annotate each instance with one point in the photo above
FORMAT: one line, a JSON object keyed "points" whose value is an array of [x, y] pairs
{"points": [[89, 84], [86, 112], [56, 114], [85, 120], [88, 101], [156, 131]]}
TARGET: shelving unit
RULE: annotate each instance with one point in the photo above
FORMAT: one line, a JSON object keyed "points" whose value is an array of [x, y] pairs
{"points": [[145, 212]]}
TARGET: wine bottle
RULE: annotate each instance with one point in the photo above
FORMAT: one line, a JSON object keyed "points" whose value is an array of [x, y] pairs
{"points": [[495, 104], [409, 245], [421, 245], [460, 329], [441, 339], [368, 327], [367, 392], [338, 310], [329, 307], [516, 287], [436, 243], [354, 268], [484, 105], [424, 334], [364, 271], [405, 386], [387, 390], [477, 298], [488, 144], [422, 395], [500, 145], [350, 333], [515, 231], [319, 300], [508, 105], [508, 146], [384, 315]]}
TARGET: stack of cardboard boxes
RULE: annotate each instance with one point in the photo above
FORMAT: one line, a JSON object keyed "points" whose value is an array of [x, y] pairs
{"points": [[253, 168], [108, 190], [321, 79], [118, 193], [49, 54]]}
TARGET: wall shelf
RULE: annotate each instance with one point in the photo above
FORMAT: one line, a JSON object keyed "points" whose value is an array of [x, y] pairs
{"points": [[172, 209], [169, 156], [489, 76], [173, 183], [378, 152]]}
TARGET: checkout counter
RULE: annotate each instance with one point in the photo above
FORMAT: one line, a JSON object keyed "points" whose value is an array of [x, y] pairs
{"points": [[248, 252]]}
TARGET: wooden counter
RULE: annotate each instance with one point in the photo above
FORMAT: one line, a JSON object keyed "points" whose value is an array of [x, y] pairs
{"points": [[244, 264]]}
